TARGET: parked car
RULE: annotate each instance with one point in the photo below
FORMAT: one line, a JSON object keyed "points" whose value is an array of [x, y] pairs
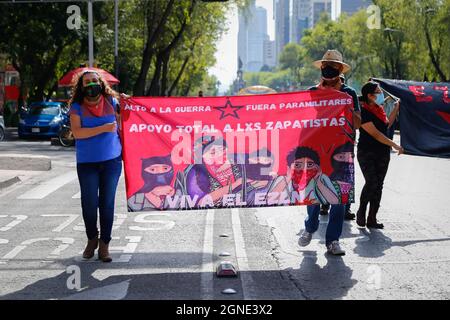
{"points": [[2, 128], [42, 119]]}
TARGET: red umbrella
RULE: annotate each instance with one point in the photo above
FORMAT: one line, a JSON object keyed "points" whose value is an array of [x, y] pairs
{"points": [[69, 78]]}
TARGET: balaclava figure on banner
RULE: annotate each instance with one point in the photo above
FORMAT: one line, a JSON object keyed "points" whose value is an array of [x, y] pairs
{"points": [[259, 171], [343, 169], [153, 180]]}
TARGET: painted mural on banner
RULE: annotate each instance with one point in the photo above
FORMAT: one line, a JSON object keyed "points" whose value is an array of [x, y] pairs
{"points": [[240, 151], [424, 116]]}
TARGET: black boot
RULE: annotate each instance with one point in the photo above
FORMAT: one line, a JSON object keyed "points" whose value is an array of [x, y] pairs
{"points": [[361, 215], [361, 218], [349, 215], [372, 218]]}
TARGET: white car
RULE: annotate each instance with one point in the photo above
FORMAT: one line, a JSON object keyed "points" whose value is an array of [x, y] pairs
{"points": [[2, 128]]}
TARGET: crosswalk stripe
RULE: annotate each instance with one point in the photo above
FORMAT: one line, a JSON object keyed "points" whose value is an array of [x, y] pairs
{"points": [[47, 187], [77, 196]]}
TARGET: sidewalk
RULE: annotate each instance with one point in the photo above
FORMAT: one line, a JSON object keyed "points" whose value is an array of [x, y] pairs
{"points": [[10, 177]]}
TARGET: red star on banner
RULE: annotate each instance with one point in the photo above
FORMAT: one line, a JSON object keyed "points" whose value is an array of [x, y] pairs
{"points": [[229, 110]]}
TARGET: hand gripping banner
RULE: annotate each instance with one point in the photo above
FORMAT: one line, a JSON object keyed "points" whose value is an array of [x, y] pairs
{"points": [[242, 151]]}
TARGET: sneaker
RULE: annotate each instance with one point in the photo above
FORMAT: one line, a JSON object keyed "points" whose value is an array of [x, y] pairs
{"points": [[305, 239], [335, 249]]}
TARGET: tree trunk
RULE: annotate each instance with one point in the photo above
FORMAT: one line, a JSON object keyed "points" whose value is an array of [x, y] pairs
{"points": [[180, 74], [153, 90], [165, 71], [434, 61], [148, 53]]}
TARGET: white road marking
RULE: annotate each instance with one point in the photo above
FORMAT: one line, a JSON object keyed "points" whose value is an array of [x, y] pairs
{"points": [[47, 187], [127, 250], [66, 242], [159, 224], [207, 275], [65, 224], [119, 219], [77, 196], [241, 256], [17, 219]]}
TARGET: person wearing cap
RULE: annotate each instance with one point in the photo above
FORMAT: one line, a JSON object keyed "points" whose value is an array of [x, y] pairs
{"points": [[331, 66]]}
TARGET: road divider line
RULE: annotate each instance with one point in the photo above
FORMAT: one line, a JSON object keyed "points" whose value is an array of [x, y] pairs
{"points": [[48, 187], [207, 275], [241, 257]]}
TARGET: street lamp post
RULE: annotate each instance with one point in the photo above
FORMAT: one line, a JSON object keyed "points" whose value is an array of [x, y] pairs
{"points": [[91, 34], [116, 38]]}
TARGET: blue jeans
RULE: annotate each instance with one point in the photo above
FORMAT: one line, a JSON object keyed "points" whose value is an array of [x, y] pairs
{"points": [[98, 184], [335, 221]]}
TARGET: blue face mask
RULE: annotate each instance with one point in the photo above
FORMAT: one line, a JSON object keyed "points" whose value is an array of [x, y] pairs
{"points": [[380, 99]]}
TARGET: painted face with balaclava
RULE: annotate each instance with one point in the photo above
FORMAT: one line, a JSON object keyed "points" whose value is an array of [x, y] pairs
{"points": [[343, 169], [342, 163], [156, 172], [303, 171], [259, 165]]}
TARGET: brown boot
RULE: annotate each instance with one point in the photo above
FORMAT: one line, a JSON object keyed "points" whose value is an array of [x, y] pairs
{"points": [[89, 252], [103, 252]]}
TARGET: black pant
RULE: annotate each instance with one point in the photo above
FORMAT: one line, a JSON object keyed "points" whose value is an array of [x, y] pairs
{"points": [[374, 166]]}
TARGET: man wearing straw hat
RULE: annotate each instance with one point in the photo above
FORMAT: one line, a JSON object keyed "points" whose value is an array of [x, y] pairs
{"points": [[332, 69]]}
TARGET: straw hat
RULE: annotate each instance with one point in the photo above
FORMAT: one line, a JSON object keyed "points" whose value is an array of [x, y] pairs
{"points": [[332, 56]]}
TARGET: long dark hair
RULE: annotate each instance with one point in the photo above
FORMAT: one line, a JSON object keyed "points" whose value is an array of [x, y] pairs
{"points": [[368, 88], [77, 89]]}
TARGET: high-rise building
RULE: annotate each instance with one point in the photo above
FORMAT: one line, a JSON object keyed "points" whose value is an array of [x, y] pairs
{"points": [[282, 24], [299, 11], [318, 7], [251, 37], [348, 6], [269, 53]]}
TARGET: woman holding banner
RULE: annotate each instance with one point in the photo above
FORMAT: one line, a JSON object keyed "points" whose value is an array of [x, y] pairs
{"points": [[93, 111], [374, 149]]}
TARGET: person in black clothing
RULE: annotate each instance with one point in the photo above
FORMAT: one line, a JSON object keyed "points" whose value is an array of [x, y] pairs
{"points": [[373, 152]]}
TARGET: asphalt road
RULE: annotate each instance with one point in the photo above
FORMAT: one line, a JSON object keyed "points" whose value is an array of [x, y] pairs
{"points": [[173, 255]]}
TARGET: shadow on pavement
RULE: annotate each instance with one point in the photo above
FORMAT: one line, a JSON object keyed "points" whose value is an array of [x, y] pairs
{"points": [[331, 281]]}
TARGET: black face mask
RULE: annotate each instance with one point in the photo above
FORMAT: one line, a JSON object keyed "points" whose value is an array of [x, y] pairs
{"points": [[343, 171], [92, 90], [258, 171], [330, 73]]}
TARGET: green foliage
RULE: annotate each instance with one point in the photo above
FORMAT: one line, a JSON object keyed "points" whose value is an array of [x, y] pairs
{"points": [[165, 46]]}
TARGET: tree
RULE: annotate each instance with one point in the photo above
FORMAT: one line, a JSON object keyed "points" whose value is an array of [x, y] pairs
{"points": [[292, 58], [174, 29], [36, 40]]}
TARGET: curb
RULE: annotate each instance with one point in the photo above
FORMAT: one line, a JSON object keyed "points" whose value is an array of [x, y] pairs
{"points": [[9, 182], [25, 162]]}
